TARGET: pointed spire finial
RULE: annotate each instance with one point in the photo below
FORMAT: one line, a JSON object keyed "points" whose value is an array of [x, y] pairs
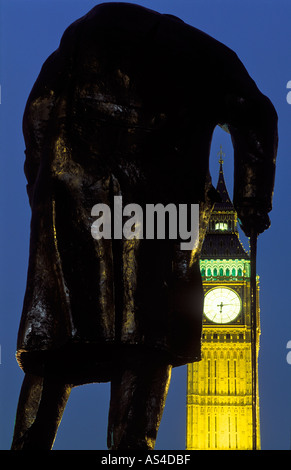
{"points": [[221, 154]]}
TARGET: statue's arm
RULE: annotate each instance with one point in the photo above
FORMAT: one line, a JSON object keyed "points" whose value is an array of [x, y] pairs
{"points": [[252, 122]]}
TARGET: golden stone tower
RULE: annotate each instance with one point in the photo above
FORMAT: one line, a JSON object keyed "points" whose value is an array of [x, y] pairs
{"points": [[222, 389]]}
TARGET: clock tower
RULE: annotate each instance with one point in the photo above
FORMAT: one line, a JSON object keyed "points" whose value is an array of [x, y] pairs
{"points": [[222, 396]]}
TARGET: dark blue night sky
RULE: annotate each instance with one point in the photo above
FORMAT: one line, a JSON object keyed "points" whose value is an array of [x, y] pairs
{"points": [[259, 32]]}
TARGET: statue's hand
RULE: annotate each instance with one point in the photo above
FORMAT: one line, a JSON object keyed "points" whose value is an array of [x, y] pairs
{"points": [[253, 219]]}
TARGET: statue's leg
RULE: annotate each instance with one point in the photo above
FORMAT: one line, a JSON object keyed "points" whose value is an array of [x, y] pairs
{"points": [[39, 412], [27, 408], [138, 396]]}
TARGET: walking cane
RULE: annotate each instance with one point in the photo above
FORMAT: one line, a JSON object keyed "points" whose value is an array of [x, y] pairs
{"points": [[253, 248]]}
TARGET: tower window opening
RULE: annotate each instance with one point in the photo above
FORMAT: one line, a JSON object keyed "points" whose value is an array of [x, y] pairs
{"points": [[215, 375], [221, 226], [209, 375], [236, 443]]}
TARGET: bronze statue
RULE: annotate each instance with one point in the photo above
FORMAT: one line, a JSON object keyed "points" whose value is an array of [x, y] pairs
{"points": [[126, 106]]}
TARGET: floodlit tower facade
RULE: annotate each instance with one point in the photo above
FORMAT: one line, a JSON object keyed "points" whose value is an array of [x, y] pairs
{"points": [[222, 395]]}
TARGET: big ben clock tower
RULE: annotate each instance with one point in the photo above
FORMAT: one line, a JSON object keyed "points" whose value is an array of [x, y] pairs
{"points": [[221, 387]]}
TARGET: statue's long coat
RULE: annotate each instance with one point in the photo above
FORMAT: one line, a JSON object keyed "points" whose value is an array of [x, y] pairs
{"points": [[127, 106]]}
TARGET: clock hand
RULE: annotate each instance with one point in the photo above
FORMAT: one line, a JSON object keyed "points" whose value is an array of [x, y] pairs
{"points": [[222, 305]]}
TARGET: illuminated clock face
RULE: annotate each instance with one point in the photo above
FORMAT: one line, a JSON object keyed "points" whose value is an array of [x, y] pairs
{"points": [[221, 305]]}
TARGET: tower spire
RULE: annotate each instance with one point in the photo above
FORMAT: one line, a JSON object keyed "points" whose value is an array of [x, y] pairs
{"points": [[222, 234], [221, 186], [221, 154]]}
